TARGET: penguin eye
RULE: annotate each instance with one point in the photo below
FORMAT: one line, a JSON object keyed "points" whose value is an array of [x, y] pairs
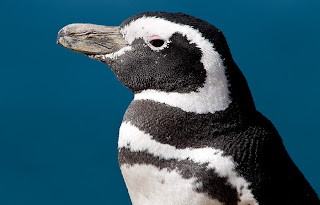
{"points": [[157, 42]]}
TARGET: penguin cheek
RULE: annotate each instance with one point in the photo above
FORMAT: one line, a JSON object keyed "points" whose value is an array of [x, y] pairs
{"points": [[127, 72], [142, 68]]}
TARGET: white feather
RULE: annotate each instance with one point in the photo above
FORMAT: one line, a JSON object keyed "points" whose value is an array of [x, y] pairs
{"points": [[149, 185]]}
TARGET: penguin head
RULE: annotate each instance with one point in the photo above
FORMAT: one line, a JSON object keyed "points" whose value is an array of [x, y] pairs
{"points": [[161, 55]]}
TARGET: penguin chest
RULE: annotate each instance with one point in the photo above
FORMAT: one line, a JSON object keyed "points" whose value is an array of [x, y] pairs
{"points": [[148, 184], [157, 173]]}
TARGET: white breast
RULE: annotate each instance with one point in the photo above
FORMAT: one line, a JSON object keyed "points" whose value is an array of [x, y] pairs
{"points": [[148, 185]]}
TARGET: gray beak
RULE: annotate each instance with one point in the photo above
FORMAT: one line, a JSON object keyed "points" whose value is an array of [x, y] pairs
{"points": [[91, 39]]}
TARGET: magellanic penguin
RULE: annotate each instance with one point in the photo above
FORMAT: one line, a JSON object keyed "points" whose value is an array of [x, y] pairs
{"points": [[192, 134]]}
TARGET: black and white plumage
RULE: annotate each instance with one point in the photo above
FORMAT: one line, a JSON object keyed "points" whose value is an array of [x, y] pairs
{"points": [[192, 134]]}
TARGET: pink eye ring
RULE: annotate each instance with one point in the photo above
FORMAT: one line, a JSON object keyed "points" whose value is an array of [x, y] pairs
{"points": [[156, 41]]}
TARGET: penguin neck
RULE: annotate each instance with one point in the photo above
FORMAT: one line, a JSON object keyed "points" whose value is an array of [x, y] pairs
{"points": [[224, 86], [208, 99], [239, 89]]}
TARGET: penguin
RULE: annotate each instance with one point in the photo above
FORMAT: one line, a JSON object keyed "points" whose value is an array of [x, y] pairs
{"points": [[192, 134]]}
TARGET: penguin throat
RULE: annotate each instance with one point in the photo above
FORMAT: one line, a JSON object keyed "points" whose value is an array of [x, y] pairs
{"points": [[208, 99]]}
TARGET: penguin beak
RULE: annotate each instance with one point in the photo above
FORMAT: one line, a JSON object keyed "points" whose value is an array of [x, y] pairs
{"points": [[91, 39]]}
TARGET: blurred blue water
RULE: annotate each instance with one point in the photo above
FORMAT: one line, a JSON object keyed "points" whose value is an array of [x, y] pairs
{"points": [[60, 111]]}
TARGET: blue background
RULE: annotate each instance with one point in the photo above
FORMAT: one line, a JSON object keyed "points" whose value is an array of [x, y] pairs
{"points": [[60, 111]]}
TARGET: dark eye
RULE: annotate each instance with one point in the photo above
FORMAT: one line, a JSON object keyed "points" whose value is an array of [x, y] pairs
{"points": [[157, 42]]}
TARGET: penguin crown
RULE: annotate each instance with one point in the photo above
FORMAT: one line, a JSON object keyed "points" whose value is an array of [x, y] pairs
{"points": [[157, 32]]}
